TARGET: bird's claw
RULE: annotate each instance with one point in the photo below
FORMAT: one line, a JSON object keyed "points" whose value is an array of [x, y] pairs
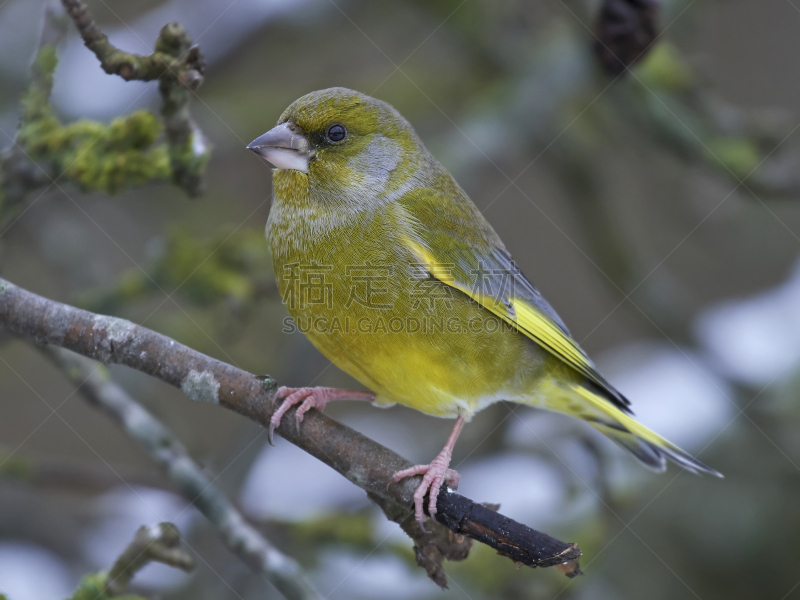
{"points": [[434, 475], [291, 396], [309, 403], [306, 397]]}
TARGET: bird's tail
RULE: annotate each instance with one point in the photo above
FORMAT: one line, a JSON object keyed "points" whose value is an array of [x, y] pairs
{"points": [[649, 447]]}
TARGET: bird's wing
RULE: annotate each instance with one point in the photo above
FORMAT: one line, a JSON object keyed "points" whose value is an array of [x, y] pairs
{"points": [[455, 244]]}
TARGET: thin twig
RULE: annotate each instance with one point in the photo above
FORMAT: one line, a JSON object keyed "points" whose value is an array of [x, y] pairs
{"points": [[163, 446], [178, 66], [363, 461], [160, 543], [112, 156]]}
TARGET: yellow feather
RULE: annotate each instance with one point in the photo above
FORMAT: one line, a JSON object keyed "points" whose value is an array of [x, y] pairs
{"points": [[526, 318], [543, 330], [644, 443]]}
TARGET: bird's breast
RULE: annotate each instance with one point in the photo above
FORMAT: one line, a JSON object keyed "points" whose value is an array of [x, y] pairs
{"points": [[358, 293]]}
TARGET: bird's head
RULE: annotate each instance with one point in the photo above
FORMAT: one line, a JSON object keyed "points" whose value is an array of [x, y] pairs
{"points": [[341, 139]]}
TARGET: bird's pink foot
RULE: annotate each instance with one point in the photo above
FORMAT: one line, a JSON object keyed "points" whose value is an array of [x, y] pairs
{"points": [[308, 398], [435, 474]]}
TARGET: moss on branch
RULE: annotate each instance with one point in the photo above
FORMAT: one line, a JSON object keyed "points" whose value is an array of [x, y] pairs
{"points": [[130, 151], [178, 67]]}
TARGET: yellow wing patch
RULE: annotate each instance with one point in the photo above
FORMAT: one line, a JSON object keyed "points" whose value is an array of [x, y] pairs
{"points": [[541, 328], [518, 312]]}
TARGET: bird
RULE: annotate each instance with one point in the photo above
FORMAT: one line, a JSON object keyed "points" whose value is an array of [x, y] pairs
{"points": [[393, 273]]}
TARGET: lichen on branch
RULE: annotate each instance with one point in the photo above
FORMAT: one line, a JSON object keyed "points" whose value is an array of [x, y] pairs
{"points": [[178, 67], [133, 149], [96, 156]]}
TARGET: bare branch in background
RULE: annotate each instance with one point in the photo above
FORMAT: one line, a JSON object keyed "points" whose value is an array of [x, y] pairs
{"points": [[160, 543], [156, 544], [361, 460], [163, 446]]}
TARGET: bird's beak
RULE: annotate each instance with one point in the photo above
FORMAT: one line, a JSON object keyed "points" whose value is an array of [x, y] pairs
{"points": [[284, 148]]}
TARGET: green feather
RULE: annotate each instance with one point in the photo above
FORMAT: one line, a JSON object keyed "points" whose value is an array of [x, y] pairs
{"points": [[377, 201]]}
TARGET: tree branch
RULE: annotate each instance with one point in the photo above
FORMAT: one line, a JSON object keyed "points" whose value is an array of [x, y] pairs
{"points": [[100, 156], [361, 460], [163, 446], [178, 66], [160, 543]]}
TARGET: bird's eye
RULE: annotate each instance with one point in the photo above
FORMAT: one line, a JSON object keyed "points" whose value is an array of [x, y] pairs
{"points": [[336, 132]]}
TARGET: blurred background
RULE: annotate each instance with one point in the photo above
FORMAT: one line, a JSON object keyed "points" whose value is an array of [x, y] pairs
{"points": [[657, 211]]}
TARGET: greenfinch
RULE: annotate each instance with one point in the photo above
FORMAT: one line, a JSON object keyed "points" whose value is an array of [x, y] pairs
{"points": [[394, 274]]}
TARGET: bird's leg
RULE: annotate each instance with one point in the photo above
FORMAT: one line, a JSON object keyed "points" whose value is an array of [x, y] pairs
{"points": [[308, 398], [436, 473]]}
